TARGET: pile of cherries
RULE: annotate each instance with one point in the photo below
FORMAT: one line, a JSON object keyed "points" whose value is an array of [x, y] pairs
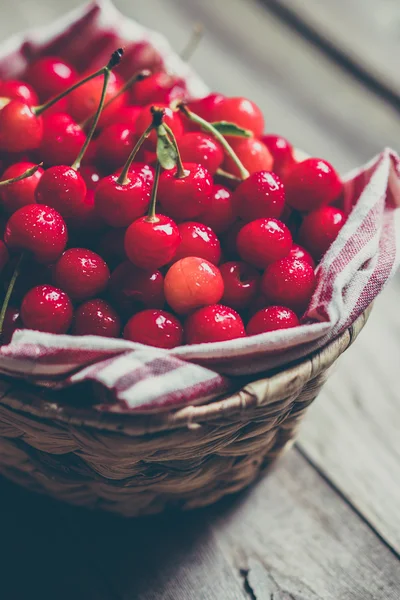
{"points": [[129, 209]]}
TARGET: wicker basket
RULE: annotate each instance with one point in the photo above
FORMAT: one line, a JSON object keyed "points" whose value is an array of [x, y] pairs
{"points": [[135, 465]]}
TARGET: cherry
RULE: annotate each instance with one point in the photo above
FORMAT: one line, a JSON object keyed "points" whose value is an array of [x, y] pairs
{"points": [[320, 228], [12, 322], [289, 282], [21, 128], [241, 284], [85, 216], [4, 256], [185, 192], [159, 87], [201, 148], [270, 319], [151, 242], [263, 241], [46, 308], [126, 115], [114, 145], [110, 246], [18, 90], [300, 253], [281, 150], [252, 153], [50, 76], [119, 204], [91, 175], [204, 107], [312, 183], [192, 282], [241, 111], [38, 229], [84, 100], [198, 240], [219, 214], [62, 139], [215, 323], [154, 328], [260, 195], [22, 192], [62, 188], [132, 289], [144, 120], [145, 170], [96, 317], [81, 273]]}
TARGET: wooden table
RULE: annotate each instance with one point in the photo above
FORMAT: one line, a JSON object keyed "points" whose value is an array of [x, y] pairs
{"points": [[325, 524]]}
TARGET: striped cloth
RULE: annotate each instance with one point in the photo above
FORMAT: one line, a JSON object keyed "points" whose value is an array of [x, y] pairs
{"points": [[353, 272], [138, 378]]}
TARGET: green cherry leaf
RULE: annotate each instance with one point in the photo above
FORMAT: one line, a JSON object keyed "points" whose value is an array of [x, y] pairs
{"points": [[226, 128], [166, 152]]}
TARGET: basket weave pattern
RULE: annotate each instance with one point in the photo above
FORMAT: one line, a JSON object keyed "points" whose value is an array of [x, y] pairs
{"points": [[136, 465]]}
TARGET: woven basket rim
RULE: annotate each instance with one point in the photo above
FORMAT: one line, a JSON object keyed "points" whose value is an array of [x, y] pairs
{"points": [[266, 389]]}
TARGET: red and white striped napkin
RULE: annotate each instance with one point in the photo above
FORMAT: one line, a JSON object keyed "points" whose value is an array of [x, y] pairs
{"points": [[353, 272]]}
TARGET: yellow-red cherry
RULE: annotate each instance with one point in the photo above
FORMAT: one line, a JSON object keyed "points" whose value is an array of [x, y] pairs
{"points": [[192, 282], [37, 229], [215, 323], [289, 282], [47, 308], [263, 241], [20, 193], [271, 319], [154, 327], [96, 317]]}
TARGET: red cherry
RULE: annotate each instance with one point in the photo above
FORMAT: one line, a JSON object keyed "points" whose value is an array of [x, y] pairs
{"points": [[62, 188], [154, 328], [320, 228], [114, 145], [270, 319], [119, 204], [263, 241], [11, 323], [62, 139], [215, 323], [50, 76], [4, 256], [261, 195], [204, 107], [83, 102], [20, 128], [201, 148], [241, 111], [185, 198], [158, 87], [91, 175], [86, 216], [46, 308], [145, 117], [289, 282], [40, 230], [228, 240], [111, 247], [132, 289], [143, 169], [253, 154], [81, 273], [192, 282], [198, 240], [219, 214], [21, 192], [151, 242], [281, 150], [241, 284], [127, 115], [312, 183], [18, 90], [301, 253], [96, 317]]}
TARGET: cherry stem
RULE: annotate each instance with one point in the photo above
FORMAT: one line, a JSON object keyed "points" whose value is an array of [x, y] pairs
{"points": [[113, 62], [244, 173], [180, 170], [10, 289], [193, 42], [151, 215], [25, 175], [138, 76]]}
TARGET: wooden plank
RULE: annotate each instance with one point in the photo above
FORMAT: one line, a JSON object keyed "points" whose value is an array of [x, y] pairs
{"points": [[365, 30]]}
